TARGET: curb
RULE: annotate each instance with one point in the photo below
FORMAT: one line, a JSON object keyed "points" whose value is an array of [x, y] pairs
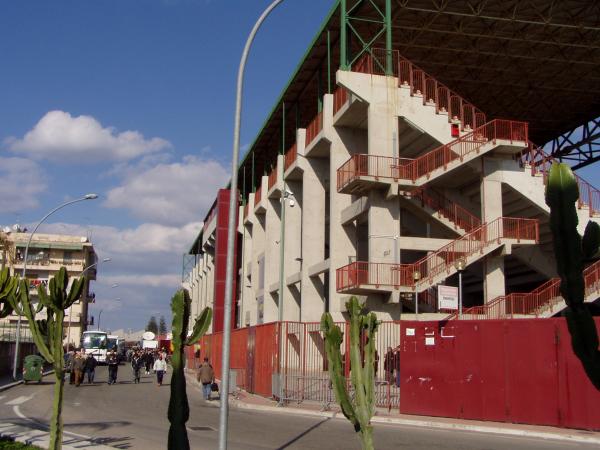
{"points": [[569, 437], [4, 387]]}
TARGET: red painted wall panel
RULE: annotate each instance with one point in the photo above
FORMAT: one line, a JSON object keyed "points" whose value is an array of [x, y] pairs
{"points": [[221, 261], [515, 371]]}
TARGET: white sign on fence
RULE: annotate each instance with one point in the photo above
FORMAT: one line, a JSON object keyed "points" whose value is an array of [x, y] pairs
{"points": [[447, 297]]}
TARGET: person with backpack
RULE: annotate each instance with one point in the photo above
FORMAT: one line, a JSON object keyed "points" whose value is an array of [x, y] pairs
{"points": [[206, 376]]}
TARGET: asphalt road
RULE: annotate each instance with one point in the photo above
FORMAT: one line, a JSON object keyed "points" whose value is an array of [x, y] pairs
{"points": [[130, 416]]}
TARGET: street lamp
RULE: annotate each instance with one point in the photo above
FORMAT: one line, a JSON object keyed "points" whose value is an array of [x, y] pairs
{"points": [[18, 336], [118, 299], [71, 307], [460, 265], [416, 277], [224, 405], [284, 196]]}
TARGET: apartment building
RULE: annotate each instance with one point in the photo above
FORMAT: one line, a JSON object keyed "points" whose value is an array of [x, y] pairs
{"points": [[46, 255], [376, 176]]}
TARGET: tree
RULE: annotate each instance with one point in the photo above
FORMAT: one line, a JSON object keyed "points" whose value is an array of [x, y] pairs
{"points": [[162, 325], [152, 325]]}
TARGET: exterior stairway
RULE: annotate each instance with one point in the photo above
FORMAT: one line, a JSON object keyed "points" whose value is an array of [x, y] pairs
{"points": [[362, 171], [544, 301], [447, 212], [360, 277]]}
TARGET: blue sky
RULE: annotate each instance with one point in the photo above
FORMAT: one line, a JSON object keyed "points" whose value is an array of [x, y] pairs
{"points": [[134, 100]]}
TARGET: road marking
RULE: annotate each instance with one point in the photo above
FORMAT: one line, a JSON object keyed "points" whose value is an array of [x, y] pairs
{"points": [[19, 414], [19, 400], [2, 396]]}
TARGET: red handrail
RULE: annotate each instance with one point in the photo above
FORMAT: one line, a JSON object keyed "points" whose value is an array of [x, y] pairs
{"points": [[273, 177], [401, 168], [540, 163], [257, 195], [447, 208], [246, 208], [290, 157], [340, 98], [314, 128], [424, 270], [533, 303], [422, 84]]}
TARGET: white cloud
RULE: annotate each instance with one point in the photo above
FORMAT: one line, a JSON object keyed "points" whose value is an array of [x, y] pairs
{"points": [[146, 264], [21, 183], [67, 139], [170, 193]]}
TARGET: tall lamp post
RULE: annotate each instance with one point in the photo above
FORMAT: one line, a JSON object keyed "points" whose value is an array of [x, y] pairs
{"points": [[233, 204], [18, 336], [460, 265], [71, 307]]}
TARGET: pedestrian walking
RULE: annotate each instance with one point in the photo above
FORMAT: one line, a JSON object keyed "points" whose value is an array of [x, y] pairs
{"points": [[90, 368], [160, 367], [77, 366], [69, 365], [148, 361], [388, 365], [136, 366], [113, 366], [206, 376]]}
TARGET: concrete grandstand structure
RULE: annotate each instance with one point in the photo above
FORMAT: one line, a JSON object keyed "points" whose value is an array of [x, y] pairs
{"points": [[389, 159]]}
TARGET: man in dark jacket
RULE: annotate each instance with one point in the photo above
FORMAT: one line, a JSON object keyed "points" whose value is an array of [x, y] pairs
{"points": [[90, 368], [113, 366], [78, 365], [136, 366]]}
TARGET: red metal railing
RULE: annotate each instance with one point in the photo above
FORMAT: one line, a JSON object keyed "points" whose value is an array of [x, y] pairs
{"points": [[447, 208], [370, 165], [314, 128], [257, 195], [209, 219], [439, 262], [290, 157], [246, 208], [273, 177], [539, 162], [395, 168], [534, 303], [424, 85], [340, 98]]}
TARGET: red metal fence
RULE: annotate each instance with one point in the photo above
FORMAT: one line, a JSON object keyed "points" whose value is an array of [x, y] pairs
{"points": [[412, 169], [443, 206], [340, 98], [510, 371], [314, 128], [521, 371], [439, 262], [257, 195], [273, 177]]}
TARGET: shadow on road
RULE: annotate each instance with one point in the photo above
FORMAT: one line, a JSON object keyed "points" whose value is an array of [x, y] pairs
{"points": [[304, 433]]}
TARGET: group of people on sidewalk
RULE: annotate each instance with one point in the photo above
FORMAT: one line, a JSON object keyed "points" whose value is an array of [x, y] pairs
{"points": [[78, 364]]}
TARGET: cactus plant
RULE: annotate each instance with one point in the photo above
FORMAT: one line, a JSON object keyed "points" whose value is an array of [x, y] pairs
{"points": [[572, 251], [8, 287], [179, 411], [361, 408], [48, 333]]}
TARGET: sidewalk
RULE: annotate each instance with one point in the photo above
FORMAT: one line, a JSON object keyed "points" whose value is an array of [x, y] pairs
{"points": [[245, 400]]}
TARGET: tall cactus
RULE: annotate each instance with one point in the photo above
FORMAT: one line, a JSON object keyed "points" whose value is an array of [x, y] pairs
{"points": [[48, 334], [572, 251], [362, 372], [8, 287], [179, 410]]}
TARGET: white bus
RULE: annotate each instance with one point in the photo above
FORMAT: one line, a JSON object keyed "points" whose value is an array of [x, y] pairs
{"points": [[96, 343]]}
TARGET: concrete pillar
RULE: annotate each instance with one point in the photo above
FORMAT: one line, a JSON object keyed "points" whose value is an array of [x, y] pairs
{"points": [[258, 255], [292, 250], [271, 249], [248, 300], [491, 209], [313, 236]]}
